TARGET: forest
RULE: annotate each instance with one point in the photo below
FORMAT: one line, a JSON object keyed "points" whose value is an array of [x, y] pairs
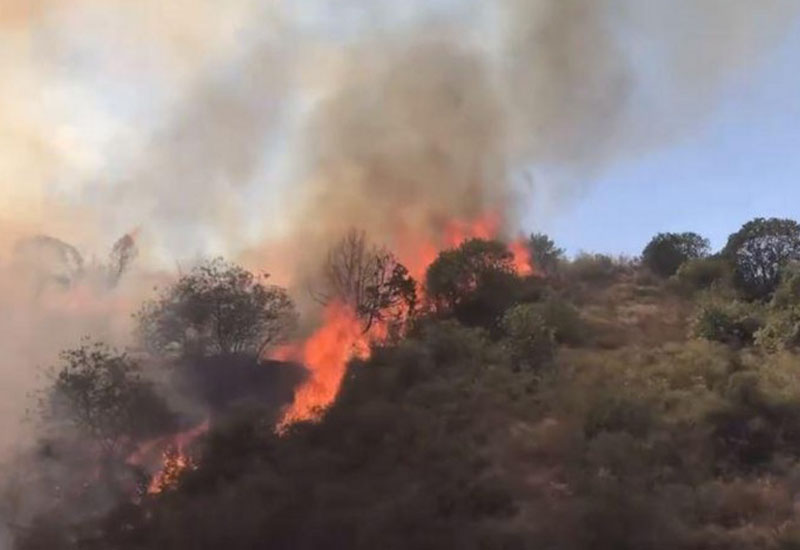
{"points": [[503, 397]]}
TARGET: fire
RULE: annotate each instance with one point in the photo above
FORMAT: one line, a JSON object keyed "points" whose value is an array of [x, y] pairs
{"points": [[341, 336], [175, 463], [173, 457], [522, 257], [326, 353], [418, 253]]}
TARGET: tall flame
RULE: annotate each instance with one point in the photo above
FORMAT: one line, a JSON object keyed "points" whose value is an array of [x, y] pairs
{"points": [[341, 336], [325, 353], [523, 263]]}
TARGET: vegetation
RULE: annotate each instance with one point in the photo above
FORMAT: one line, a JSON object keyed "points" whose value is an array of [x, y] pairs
{"points": [[603, 408], [759, 251], [219, 308], [667, 252], [368, 279], [101, 393], [545, 255]]}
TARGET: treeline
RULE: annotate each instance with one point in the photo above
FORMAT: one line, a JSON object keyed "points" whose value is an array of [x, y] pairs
{"points": [[598, 403]]}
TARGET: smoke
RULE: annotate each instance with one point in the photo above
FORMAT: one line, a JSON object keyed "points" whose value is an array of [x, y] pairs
{"points": [[440, 122], [263, 130]]}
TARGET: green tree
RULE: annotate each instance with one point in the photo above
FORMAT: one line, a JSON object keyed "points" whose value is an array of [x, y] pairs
{"points": [[546, 257], [476, 281], [759, 251], [726, 321], [218, 308], [667, 252], [101, 393]]}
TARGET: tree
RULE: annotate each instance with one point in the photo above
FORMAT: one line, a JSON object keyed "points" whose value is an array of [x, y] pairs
{"points": [[476, 281], [102, 394], [367, 278], [123, 253], [667, 252], [759, 251], [49, 260], [545, 255], [218, 308]]}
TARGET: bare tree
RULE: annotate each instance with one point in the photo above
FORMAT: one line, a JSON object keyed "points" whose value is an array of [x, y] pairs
{"points": [[49, 260], [367, 278], [123, 253]]}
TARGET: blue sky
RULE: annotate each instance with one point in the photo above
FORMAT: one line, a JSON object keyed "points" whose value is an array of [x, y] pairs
{"points": [[743, 162]]}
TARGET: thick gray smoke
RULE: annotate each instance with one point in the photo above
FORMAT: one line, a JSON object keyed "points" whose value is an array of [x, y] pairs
{"points": [[441, 121]]}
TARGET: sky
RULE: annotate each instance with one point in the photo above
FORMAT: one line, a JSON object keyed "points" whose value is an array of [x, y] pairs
{"points": [[740, 163]]}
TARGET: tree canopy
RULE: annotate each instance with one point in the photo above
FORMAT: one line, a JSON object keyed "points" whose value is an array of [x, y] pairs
{"points": [[667, 252], [545, 255], [758, 252], [476, 281], [102, 394], [218, 308]]}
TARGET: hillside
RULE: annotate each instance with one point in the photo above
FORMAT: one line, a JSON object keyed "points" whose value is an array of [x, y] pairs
{"points": [[604, 406]]}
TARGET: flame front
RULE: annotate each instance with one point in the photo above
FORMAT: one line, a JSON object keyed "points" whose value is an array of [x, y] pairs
{"points": [[341, 336], [325, 354]]}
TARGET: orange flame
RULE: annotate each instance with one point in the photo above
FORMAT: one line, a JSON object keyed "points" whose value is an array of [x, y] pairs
{"points": [[175, 463], [419, 253], [325, 353], [522, 257], [341, 337], [173, 458]]}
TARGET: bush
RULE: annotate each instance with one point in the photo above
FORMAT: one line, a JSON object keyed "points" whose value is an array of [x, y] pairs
{"points": [[564, 319], [594, 268], [666, 252], [531, 341], [727, 321], [781, 330], [703, 273], [788, 291]]}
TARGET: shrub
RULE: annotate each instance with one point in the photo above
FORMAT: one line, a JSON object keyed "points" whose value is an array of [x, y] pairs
{"points": [[727, 321], [531, 341], [781, 330], [594, 268], [788, 292], [563, 318], [703, 273]]}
